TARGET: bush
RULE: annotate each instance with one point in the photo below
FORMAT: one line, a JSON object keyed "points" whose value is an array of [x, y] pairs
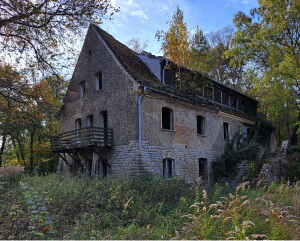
{"points": [[10, 175], [235, 151]]}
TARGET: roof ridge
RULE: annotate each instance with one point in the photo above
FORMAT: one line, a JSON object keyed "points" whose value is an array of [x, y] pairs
{"points": [[127, 57]]}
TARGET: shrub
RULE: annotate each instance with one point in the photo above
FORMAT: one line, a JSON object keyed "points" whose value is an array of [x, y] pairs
{"points": [[10, 175], [235, 151]]}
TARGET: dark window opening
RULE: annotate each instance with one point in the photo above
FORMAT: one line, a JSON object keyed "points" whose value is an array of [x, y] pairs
{"points": [[228, 100], [235, 103], [90, 52], [99, 81], [90, 121], [202, 164], [88, 167], [104, 124], [81, 89], [243, 105], [200, 125], [168, 168], [226, 130], [167, 118], [101, 168], [220, 97]]}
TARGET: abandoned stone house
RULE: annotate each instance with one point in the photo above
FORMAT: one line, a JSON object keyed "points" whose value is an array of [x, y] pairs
{"points": [[123, 115]]}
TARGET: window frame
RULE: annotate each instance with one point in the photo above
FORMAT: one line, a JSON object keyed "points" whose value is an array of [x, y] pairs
{"points": [[168, 168], [82, 89], [171, 119], [99, 81], [201, 119], [226, 133]]}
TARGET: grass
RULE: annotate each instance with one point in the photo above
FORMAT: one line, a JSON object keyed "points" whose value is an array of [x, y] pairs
{"points": [[147, 208]]}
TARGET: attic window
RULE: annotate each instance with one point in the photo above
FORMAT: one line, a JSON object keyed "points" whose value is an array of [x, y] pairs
{"points": [[167, 118], [243, 105], [81, 89], [99, 81], [235, 103], [220, 97], [228, 100], [90, 52]]}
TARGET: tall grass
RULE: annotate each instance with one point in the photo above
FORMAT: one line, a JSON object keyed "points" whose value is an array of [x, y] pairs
{"points": [[152, 208]]}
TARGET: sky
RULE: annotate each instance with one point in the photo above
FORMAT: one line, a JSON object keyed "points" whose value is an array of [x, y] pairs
{"points": [[143, 18]]}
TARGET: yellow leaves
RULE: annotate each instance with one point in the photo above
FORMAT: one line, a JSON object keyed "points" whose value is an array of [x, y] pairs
{"points": [[68, 25]]}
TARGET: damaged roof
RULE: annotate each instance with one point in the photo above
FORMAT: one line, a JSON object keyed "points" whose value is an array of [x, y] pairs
{"points": [[128, 58]]}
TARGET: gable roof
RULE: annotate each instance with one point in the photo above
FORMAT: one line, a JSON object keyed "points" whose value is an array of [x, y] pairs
{"points": [[127, 58]]}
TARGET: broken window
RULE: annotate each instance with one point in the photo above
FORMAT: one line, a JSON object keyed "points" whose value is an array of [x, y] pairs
{"points": [[202, 165], [167, 118], [81, 89], [200, 125], [168, 168], [226, 130], [99, 81]]}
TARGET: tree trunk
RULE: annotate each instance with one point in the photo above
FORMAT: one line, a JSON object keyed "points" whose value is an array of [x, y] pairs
{"points": [[21, 148], [16, 148], [2, 148], [32, 134], [294, 137]]}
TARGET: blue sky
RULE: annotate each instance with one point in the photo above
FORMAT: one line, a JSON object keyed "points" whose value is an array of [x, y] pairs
{"points": [[141, 19]]}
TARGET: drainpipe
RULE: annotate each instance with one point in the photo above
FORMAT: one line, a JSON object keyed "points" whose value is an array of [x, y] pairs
{"points": [[140, 116]]}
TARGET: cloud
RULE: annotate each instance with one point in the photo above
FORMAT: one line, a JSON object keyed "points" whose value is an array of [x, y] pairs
{"points": [[139, 13]]}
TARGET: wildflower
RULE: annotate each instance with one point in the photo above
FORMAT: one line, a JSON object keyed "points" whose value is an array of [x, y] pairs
{"points": [[248, 224], [258, 236], [204, 194], [227, 219], [46, 228], [247, 202]]}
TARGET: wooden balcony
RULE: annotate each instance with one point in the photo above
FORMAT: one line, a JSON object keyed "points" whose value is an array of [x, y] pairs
{"points": [[88, 137]]}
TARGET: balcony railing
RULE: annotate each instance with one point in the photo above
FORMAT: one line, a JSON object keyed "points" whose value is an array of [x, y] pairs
{"points": [[84, 137]]}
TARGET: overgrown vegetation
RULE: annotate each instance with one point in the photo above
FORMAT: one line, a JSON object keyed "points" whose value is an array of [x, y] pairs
{"points": [[235, 151], [149, 208]]}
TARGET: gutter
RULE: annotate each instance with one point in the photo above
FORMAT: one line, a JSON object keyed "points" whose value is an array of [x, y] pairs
{"points": [[140, 115]]}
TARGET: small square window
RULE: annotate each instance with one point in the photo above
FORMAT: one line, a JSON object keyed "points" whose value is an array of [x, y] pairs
{"points": [[168, 168], [167, 118]]}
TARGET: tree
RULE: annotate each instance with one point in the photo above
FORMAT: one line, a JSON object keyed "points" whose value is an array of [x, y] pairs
{"points": [[175, 42], [269, 38], [200, 50], [220, 69], [41, 27], [136, 45]]}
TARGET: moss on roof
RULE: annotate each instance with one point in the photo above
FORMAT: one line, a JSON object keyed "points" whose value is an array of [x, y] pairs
{"points": [[128, 58]]}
